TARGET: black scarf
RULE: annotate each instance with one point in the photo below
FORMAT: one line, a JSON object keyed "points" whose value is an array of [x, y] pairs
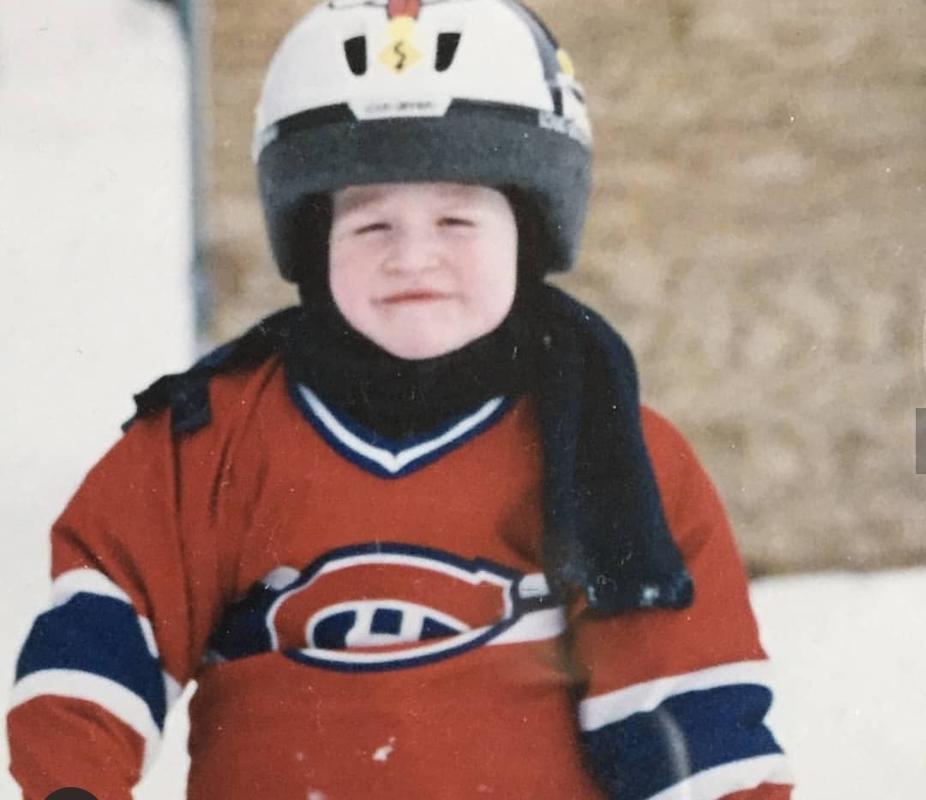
{"points": [[399, 398], [605, 530]]}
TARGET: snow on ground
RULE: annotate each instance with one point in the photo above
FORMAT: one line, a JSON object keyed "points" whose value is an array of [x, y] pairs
{"points": [[95, 303], [849, 655], [94, 245]]}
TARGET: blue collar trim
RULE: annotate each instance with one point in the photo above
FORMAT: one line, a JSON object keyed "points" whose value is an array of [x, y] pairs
{"points": [[385, 457]]}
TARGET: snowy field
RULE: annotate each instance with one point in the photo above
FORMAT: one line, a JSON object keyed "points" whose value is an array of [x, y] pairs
{"points": [[94, 243]]}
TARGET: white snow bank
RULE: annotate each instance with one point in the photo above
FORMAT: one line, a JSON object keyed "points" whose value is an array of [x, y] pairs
{"points": [[849, 652], [95, 252], [94, 232]]}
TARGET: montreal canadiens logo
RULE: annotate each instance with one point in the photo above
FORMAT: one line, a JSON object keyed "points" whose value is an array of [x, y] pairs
{"points": [[388, 606]]}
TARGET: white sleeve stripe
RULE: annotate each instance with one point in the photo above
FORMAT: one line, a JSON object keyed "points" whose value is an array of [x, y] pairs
{"points": [[85, 580], [728, 778], [107, 694], [606, 709]]}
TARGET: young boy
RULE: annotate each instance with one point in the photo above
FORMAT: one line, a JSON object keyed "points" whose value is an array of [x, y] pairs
{"points": [[414, 538]]}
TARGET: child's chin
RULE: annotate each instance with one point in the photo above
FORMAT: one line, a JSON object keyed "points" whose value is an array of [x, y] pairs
{"points": [[419, 351], [421, 346]]}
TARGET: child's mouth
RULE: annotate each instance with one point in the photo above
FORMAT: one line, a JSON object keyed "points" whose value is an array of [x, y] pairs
{"points": [[414, 296]]}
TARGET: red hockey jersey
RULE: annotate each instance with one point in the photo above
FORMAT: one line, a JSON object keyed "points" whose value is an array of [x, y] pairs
{"points": [[369, 618]]}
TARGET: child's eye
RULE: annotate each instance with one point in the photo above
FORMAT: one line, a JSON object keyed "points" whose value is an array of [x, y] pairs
{"points": [[371, 227], [456, 222]]}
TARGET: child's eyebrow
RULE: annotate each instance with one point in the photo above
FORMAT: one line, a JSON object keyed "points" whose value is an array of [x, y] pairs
{"points": [[349, 203], [458, 197]]}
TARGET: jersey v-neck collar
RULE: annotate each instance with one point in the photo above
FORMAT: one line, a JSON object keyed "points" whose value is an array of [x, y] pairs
{"points": [[386, 457]]}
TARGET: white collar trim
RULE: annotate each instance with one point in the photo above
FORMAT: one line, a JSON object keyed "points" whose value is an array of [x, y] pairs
{"points": [[395, 462]]}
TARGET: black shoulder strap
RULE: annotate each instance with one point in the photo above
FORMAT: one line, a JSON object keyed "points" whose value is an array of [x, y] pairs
{"points": [[187, 393]]}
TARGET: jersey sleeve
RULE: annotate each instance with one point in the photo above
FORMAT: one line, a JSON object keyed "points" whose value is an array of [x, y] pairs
{"points": [[134, 579], [674, 701]]}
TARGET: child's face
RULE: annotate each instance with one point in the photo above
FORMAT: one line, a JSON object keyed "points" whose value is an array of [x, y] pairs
{"points": [[423, 269]]}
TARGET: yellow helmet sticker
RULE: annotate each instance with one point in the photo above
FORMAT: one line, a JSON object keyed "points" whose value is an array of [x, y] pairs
{"points": [[400, 53], [565, 62]]}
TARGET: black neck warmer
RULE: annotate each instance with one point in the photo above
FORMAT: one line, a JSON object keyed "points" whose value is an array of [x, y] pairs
{"points": [[395, 397], [605, 531]]}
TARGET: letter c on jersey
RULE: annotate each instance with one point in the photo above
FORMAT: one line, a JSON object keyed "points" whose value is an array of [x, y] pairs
{"points": [[380, 607]]}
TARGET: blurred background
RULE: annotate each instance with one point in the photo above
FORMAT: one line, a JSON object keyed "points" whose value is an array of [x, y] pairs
{"points": [[756, 234]]}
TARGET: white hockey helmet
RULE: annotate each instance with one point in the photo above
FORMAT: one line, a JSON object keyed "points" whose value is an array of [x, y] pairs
{"points": [[380, 91]]}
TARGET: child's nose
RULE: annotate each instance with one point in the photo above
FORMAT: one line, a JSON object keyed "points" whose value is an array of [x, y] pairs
{"points": [[412, 249]]}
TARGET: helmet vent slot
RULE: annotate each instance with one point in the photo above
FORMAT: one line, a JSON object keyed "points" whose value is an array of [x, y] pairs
{"points": [[447, 44], [355, 50]]}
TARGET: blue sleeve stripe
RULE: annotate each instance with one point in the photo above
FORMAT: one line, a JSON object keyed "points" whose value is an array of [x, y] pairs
{"points": [[97, 635], [651, 751], [91, 581], [103, 692], [597, 711]]}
